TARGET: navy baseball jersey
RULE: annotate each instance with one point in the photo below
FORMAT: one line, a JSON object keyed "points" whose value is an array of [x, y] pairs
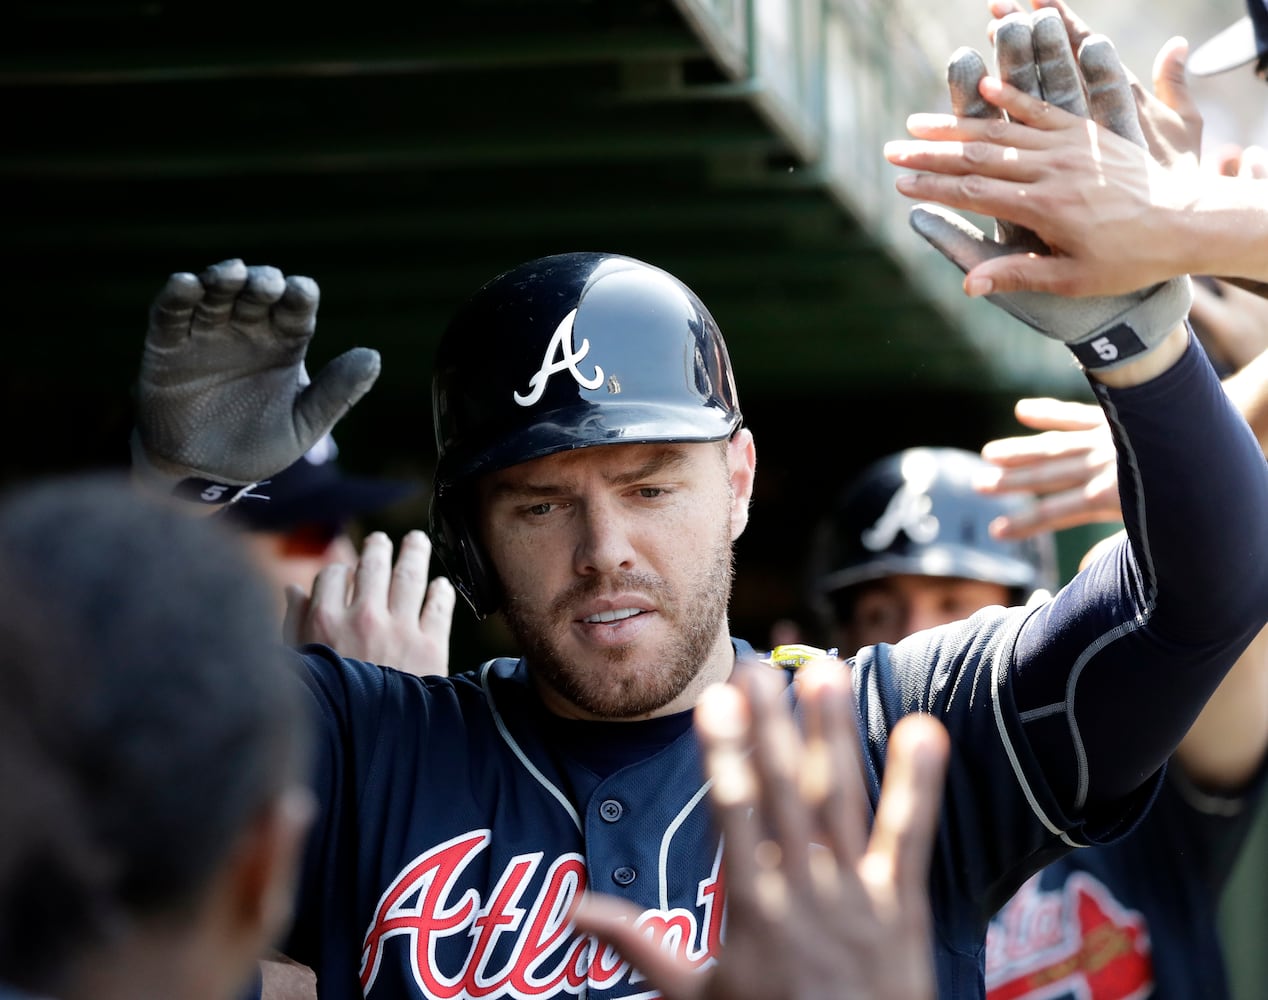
{"points": [[1137, 918], [459, 820]]}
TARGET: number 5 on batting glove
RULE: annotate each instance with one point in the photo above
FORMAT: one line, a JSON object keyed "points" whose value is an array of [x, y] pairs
{"points": [[1034, 54], [223, 400]]}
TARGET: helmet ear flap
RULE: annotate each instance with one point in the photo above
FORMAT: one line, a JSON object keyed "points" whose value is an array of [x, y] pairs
{"points": [[458, 548]]}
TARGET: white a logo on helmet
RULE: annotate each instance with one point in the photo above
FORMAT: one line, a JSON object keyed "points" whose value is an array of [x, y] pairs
{"points": [[560, 357], [909, 510]]}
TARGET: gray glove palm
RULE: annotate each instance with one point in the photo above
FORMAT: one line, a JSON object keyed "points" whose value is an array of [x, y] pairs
{"points": [[223, 396], [1035, 56]]}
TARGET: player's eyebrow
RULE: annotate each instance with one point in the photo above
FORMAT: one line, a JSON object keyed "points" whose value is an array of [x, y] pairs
{"points": [[664, 459]]}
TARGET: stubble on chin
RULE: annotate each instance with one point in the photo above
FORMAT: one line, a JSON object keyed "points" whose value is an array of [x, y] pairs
{"points": [[631, 681]]}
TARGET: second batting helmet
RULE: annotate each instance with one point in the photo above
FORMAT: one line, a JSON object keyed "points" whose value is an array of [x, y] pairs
{"points": [[565, 352], [916, 512]]}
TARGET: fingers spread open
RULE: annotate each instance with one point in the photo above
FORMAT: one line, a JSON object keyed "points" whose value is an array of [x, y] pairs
{"points": [[965, 70], [295, 313], [911, 797], [1109, 91], [1058, 69], [409, 575], [1048, 414], [327, 604], [613, 922], [723, 723], [832, 775], [264, 286], [173, 309], [1015, 54], [1075, 26], [437, 617], [777, 752], [374, 572], [336, 388], [222, 283]]}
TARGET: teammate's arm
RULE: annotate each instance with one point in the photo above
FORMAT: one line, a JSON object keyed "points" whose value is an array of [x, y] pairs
{"points": [[1227, 743], [1114, 217], [1156, 628]]}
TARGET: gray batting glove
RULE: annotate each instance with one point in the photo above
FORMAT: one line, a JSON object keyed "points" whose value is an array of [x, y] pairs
{"points": [[223, 400], [1034, 55]]}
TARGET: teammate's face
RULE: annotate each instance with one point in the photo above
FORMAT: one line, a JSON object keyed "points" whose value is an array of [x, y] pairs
{"points": [[616, 567], [890, 609]]}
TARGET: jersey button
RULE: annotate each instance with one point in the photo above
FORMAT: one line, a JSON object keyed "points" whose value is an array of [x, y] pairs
{"points": [[624, 875], [611, 810]]}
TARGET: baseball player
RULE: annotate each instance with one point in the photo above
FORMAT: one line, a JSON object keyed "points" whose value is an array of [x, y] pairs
{"points": [[593, 472], [909, 546]]}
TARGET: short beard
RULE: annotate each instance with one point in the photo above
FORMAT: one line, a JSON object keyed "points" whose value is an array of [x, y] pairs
{"points": [[698, 617]]}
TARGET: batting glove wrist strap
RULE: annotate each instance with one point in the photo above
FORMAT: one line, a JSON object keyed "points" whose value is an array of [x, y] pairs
{"points": [[1147, 319], [1104, 331], [198, 494]]}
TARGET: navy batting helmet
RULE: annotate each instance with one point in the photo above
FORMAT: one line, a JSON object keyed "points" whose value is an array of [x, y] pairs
{"points": [[916, 512], [564, 352]]}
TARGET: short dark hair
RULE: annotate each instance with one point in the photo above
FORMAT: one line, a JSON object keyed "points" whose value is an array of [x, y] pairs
{"points": [[146, 713]]}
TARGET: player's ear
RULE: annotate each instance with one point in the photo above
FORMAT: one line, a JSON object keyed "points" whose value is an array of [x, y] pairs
{"points": [[741, 457]]}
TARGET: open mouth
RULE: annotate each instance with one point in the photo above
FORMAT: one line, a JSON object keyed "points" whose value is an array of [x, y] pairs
{"points": [[616, 615]]}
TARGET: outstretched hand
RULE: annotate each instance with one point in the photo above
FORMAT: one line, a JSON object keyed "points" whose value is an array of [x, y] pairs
{"points": [[222, 393], [815, 905], [1170, 121], [1070, 468], [1045, 90], [1092, 193], [378, 612]]}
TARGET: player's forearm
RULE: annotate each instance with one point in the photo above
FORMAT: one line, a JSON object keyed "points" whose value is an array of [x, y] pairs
{"points": [[1224, 230], [1182, 445], [1167, 617], [1248, 389], [1225, 747]]}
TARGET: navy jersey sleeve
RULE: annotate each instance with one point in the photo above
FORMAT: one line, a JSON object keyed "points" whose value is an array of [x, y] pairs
{"points": [[1107, 678], [363, 716], [346, 703], [1062, 716], [1208, 828]]}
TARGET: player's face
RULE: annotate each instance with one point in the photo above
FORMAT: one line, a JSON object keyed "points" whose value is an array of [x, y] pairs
{"points": [[616, 568], [890, 609]]}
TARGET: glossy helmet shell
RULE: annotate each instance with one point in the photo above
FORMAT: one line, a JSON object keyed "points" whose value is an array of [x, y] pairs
{"points": [[916, 512], [566, 352]]}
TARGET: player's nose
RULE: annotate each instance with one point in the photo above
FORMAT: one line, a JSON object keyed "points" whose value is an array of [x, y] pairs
{"points": [[604, 543]]}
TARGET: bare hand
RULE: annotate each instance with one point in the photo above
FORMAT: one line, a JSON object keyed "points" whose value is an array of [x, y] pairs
{"points": [[804, 921], [1093, 194], [1071, 468], [378, 612], [1097, 200]]}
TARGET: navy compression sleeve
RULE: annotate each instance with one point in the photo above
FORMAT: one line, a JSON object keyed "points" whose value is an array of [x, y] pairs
{"points": [[1108, 677]]}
